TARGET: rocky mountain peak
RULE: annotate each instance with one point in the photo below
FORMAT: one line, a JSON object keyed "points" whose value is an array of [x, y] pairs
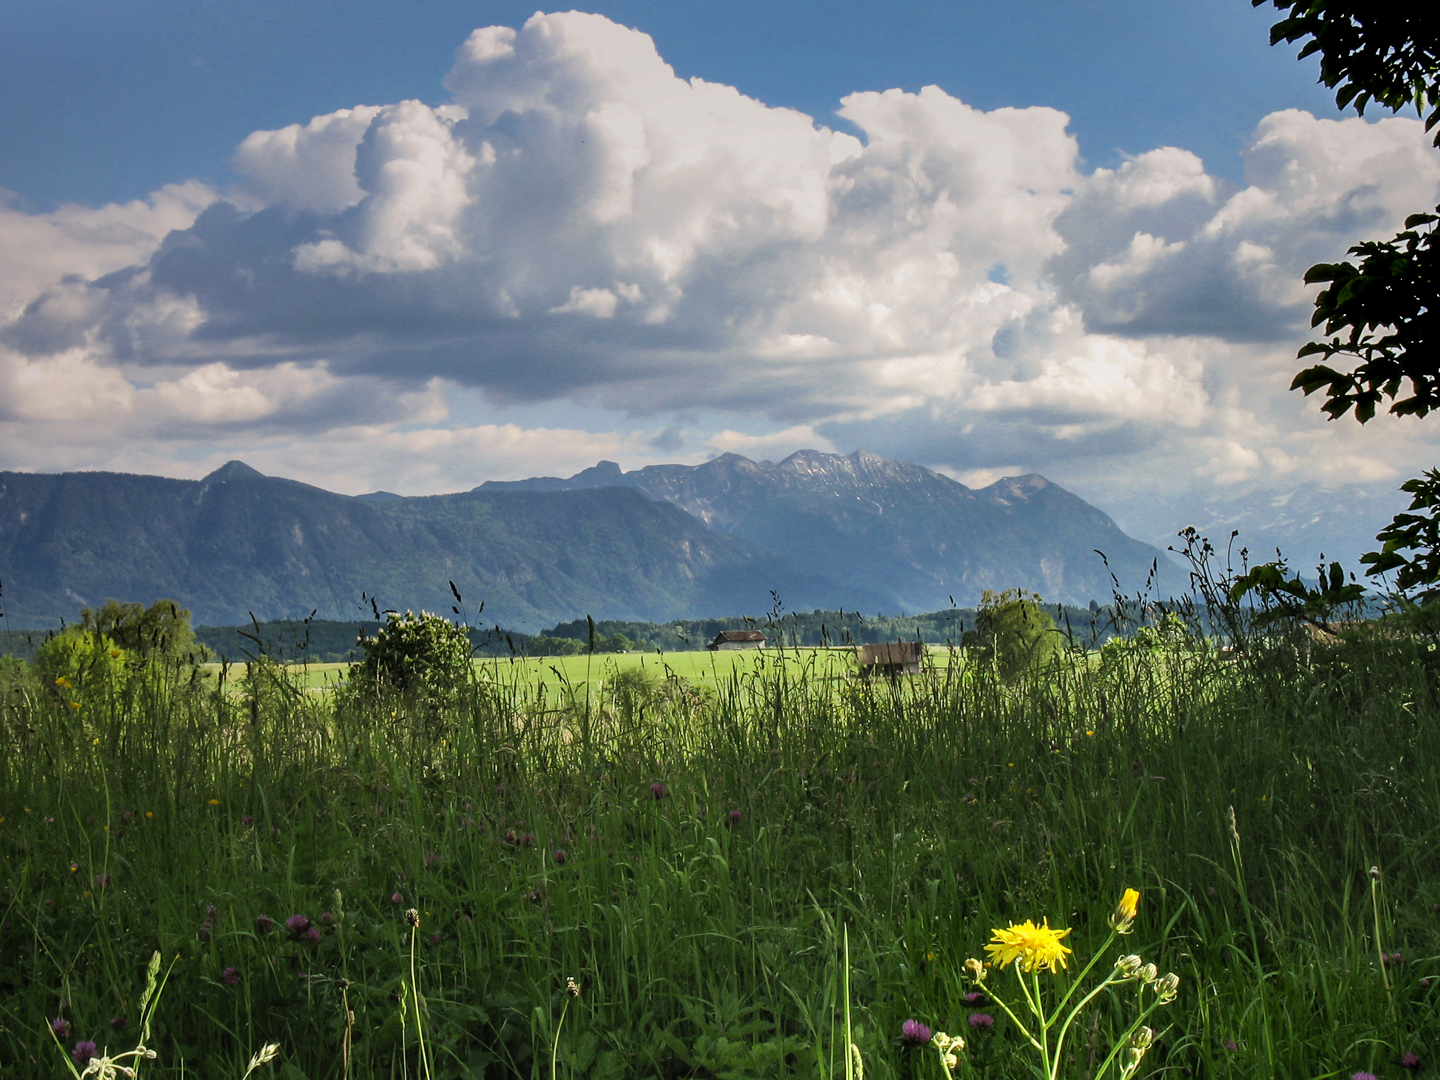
{"points": [[233, 471]]}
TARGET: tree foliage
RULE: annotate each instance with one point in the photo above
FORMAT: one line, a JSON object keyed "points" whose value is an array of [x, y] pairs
{"points": [[1417, 532], [161, 630], [1383, 314], [1383, 52], [1379, 313]]}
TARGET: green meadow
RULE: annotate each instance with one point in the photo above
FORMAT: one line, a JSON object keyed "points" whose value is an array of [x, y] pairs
{"points": [[563, 675], [743, 861]]}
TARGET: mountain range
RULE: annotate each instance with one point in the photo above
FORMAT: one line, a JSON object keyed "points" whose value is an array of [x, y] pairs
{"points": [[664, 542]]}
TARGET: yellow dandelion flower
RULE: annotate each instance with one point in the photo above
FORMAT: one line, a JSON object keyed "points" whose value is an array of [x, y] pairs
{"points": [[1124, 913], [214, 802], [62, 681], [1030, 945], [74, 704]]}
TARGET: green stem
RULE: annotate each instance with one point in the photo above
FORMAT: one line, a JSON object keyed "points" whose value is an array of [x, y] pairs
{"points": [[849, 1059], [415, 997], [1380, 948], [1124, 1039], [555, 1046], [1015, 1020], [1081, 977], [1065, 1027], [1045, 1064]]}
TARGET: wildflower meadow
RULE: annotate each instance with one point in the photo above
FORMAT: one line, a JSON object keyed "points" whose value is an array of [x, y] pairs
{"points": [[1177, 859]]}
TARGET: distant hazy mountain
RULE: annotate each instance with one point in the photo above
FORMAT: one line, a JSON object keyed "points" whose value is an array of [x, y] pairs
{"points": [[238, 542], [912, 535], [665, 542]]}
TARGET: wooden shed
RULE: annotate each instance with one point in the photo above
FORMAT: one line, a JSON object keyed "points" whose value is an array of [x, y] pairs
{"points": [[737, 639], [891, 658]]}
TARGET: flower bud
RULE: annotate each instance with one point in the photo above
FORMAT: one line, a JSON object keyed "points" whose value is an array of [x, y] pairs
{"points": [[1123, 917], [1167, 987], [1148, 974], [1128, 966]]}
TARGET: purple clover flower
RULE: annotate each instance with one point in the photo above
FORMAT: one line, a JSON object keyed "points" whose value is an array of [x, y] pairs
{"points": [[657, 790], [61, 1027], [1362, 1076], [914, 1033], [735, 817], [560, 856], [982, 1020], [397, 898], [975, 997], [230, 976], [1409, 1060], [84, 1050], [297, 924], [311, 936]]}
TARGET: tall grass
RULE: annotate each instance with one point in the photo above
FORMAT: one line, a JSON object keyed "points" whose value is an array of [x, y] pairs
{"points": [[694, 862]]}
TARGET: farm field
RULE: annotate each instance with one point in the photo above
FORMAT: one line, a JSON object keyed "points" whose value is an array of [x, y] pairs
{"points": [[698, 852], [701, 668]]}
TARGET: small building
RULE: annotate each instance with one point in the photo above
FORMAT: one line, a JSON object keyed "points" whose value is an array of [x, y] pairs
{"points": [[891, 658], [737, 639]]}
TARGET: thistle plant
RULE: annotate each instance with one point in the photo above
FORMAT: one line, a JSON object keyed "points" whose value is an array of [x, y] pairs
{"points": [[106, 1066], [1028, 949]]}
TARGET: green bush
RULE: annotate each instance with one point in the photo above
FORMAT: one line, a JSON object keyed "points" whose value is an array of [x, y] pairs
{"points": [[415, 654], [80, 661], [1014, 631]]}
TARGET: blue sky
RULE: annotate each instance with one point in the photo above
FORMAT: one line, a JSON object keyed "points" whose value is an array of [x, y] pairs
{"points": [[106, 101], [378, 245]]}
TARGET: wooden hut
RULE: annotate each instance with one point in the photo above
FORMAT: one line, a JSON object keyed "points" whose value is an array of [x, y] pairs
{"points": [[891, 658], [737, 639]]}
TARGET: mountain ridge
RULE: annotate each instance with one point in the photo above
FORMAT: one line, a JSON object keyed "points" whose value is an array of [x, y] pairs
{"points": [[667, 541], [941, 538]]}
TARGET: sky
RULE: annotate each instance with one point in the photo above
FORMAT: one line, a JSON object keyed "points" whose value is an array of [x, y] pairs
{"points": [[414, 247]]}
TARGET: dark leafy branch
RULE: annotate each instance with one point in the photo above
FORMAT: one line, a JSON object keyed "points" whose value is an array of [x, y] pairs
{"points": [[1417, 530], [1369, 50], [1383, 313]]}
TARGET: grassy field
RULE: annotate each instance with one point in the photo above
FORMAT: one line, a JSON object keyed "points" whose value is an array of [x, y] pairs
{"points": [[695, 852], [564, 675]]}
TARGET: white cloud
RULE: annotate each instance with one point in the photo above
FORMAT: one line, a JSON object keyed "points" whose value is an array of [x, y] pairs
{"points": [[600, 303], [582, 223], [774, 447], [306, 166], [37, 250]]}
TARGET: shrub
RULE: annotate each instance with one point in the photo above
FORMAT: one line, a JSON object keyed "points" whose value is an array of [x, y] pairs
{"points": [[415, 654], [78, 661], [1015, 632]]}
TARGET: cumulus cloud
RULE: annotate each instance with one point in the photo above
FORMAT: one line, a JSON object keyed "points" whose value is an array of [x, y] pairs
{"points": [[38, 250], [580, 222], [1159, 247]]}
